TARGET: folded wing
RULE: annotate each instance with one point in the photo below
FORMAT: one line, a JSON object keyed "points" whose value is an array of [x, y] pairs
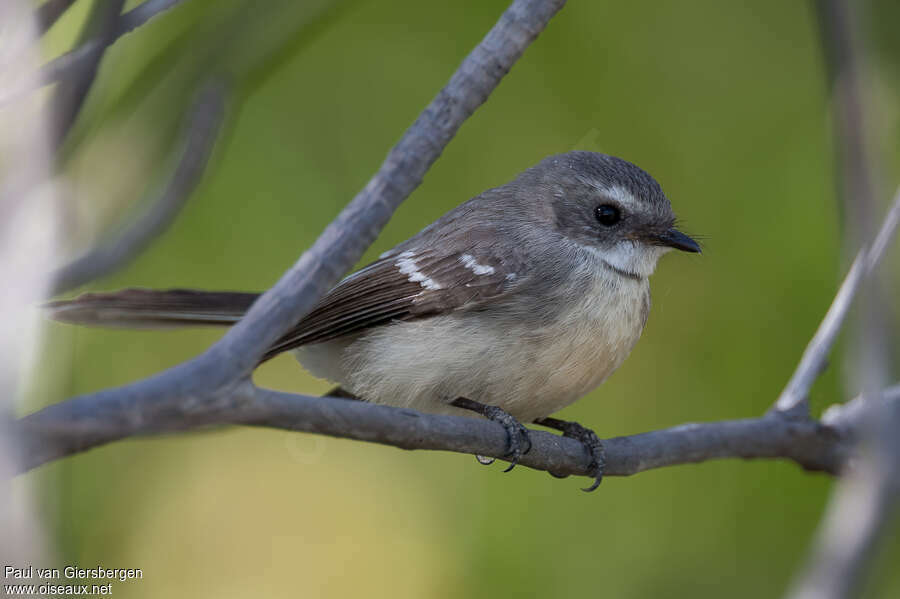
{"points": [[403, 286]]}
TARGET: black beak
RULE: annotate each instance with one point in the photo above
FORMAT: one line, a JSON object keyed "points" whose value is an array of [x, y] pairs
{"points": [[674, 238]]}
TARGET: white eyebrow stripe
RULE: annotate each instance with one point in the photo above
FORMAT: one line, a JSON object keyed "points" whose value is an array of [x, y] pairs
{"points": [[614, 192], [479, 269], [622, 195], [406, 264]]}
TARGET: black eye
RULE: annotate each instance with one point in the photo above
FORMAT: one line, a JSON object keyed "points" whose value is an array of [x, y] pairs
{"points": [[608, 215]]}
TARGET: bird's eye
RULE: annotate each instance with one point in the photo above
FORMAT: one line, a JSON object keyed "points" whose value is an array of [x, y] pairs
{"points": [[608, 215]]}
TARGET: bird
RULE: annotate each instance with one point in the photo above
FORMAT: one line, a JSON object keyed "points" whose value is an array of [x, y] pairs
{"points": [[511, 306]]}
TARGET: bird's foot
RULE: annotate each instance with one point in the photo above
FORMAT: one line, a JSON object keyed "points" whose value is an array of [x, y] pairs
{"points": [[519, 442], [588, 438]]}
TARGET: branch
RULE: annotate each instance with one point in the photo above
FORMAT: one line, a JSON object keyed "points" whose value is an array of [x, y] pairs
{"points": [[75, 425], [72, 61], [793, 400], [207, 383], [843, 61], [71, 94], [68, 65], [203, 128], [48, 13], [860, 511]]}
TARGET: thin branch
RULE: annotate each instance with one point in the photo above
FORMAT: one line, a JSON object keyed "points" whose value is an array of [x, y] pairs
{"points": [[203, 128], [844, 62], [76, 425], [793, 400], [73, 61], [48, 13], [68, 65], [204, 383], [142, 13], [71, 94]]}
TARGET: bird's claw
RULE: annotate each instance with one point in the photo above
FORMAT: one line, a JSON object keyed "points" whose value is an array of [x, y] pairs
{"points": [[516, 433], [594, 446]]}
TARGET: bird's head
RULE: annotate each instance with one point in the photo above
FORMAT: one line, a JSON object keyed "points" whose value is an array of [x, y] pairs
{"points": [[609, 207]]}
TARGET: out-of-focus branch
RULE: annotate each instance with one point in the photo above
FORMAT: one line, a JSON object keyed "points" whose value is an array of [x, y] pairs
{"points": [[70, 64], [142, 13], [861, 509], [865, 501], [49, 13], [71, 94], [73, 61], [843, 60], [203, 128], [793, 400]]}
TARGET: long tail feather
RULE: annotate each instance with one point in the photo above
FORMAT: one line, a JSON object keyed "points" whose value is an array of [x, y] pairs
{"points": [[154, 309]]}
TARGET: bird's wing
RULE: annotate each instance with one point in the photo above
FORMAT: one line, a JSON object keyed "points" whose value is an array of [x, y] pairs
{"points": [[405, 285]]}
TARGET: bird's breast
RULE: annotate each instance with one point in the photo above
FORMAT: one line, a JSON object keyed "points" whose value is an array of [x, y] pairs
{"points": [[586, 344]]}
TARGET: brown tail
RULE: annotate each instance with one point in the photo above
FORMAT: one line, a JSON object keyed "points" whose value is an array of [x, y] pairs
{"points": [[153, 309]]}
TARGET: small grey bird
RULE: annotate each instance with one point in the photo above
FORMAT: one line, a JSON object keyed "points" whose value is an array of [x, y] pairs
{"points": [[513, 305]]}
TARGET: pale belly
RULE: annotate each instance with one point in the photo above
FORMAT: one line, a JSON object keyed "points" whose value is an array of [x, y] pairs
{"points": [[529, 372]]}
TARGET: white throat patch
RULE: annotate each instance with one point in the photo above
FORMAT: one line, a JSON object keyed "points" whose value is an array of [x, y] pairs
{"points": [[633, 257]]}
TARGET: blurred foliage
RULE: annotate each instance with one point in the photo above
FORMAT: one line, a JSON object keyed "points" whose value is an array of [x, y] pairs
{"points": [[723, 102]]}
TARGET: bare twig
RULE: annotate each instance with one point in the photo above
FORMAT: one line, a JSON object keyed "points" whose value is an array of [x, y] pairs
{"points": [[202, 130], [49, 13], [70, 64], [73, 61], [793, 400], [78, 424], [66, 64], [71, 94], [852, 415], [207, 382], [142, 13], [843, 60]]}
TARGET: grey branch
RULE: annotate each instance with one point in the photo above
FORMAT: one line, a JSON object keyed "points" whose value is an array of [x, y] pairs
{"points": [[203, 128], [70, 95], [794, 397], [48, 13], [90, 421], [68, 65], [207, 384], [73, 61], [861, 510]]}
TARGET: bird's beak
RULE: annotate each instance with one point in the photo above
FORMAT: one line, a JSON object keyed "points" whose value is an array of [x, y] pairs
{"points": [[674, 238]]}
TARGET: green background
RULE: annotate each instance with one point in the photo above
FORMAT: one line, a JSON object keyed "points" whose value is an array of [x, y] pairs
{"points": [[725, 103]]}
